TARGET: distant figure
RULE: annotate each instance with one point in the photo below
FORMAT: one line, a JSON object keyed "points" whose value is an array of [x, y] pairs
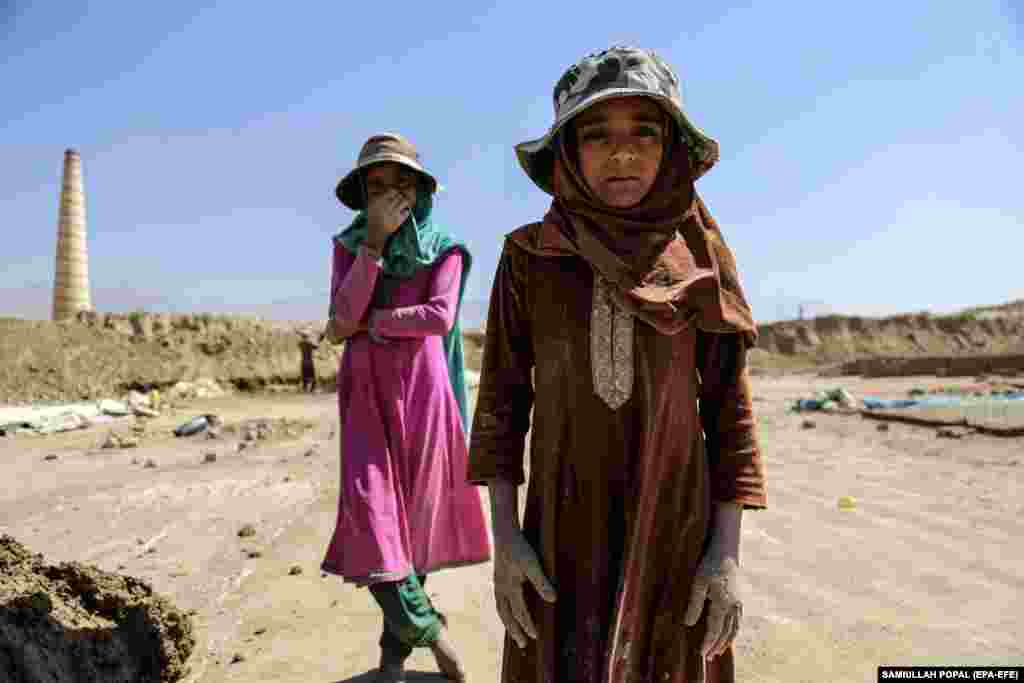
{"points": [[405, 509], [306, 347]]}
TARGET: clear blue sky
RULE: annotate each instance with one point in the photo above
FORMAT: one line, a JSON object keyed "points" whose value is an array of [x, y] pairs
{"points": [[871, 152]]}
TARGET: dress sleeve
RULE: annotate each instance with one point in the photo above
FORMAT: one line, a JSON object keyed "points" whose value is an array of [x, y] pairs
{"points": [[726, 409], [352, 282], [434, 317], [502, 416]]}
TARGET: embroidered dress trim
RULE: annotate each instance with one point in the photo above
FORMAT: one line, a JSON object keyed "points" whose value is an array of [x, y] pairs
{"points": [[611, 347]]}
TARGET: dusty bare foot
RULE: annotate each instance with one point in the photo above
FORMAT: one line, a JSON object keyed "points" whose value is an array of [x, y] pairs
{"points": [[447, 661]]}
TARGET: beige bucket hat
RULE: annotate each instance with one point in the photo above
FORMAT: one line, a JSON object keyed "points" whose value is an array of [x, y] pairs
{"points": [[382, 147]]}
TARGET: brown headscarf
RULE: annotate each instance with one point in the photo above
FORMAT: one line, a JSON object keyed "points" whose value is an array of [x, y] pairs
{"points": [[665, 259]]}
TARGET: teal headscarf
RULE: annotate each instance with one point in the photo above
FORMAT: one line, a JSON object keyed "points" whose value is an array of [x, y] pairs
{"points": [[418, 244]]}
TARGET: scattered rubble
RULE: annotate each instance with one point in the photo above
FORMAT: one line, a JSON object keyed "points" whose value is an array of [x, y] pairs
{"points": [[201, 388]]}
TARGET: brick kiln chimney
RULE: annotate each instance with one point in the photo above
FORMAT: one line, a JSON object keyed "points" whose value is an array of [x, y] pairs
{"points": [[71, 277]]}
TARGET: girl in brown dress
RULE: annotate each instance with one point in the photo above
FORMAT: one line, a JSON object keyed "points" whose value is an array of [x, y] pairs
{"points": [[619, 321]]}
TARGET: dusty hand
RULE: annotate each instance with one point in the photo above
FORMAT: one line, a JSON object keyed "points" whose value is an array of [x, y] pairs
{"points": [[515, 562], [384, 215], [716, 581]]}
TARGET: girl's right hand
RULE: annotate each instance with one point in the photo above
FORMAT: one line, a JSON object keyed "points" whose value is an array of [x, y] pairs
{"points": [[515, 563], [384, 215]]}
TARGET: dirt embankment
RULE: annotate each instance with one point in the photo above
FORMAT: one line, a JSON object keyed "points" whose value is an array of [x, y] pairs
{"points": [[100, 356], [73, 622], [105, 355], [980, 340]]}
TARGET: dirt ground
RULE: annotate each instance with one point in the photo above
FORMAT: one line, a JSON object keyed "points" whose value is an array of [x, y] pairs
{"points": [[927, 568]]}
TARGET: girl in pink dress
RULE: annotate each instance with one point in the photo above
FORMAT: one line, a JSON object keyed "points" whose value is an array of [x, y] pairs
{"points": [[405, 507]]}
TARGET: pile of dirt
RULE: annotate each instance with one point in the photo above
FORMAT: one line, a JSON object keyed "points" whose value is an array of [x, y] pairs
{"points": [[72, 623]]}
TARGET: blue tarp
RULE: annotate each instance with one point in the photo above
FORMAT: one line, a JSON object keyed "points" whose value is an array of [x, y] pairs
{"points": [[874, 403]]}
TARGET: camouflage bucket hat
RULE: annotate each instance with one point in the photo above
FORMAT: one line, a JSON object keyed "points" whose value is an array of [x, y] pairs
{"points": [[615, 72], [383, 147]]}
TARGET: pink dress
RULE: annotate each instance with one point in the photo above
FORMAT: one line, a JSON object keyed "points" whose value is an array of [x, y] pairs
{"points": [[405, 505]]}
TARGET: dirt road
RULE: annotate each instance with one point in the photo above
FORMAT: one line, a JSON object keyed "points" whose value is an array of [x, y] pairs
{"points": [[928, 568]]}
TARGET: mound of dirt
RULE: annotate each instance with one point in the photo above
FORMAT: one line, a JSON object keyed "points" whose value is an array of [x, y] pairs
{"points": [[72, 623]]}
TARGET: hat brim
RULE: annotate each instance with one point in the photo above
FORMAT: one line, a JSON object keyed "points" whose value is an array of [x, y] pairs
{"points": [[537, 158], [350, 192]]}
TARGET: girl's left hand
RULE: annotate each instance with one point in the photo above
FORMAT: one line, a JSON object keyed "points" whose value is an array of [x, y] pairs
{"points": [[717, 581]]}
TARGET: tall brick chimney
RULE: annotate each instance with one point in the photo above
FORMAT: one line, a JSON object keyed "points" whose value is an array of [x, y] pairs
{"points": [[71, 277]]}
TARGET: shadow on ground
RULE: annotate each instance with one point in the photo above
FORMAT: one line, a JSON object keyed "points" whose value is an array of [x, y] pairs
{"points": [[422, 676]]}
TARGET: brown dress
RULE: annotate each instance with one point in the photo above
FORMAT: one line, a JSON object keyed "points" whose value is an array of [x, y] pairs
{"points": [[620, 491]]}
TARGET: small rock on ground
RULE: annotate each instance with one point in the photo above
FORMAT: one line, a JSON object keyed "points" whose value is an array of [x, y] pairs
{"points": [[952, 432], [247, 530]]}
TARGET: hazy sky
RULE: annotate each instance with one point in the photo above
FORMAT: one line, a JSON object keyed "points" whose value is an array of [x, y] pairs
{"points": [[871, 152]]}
